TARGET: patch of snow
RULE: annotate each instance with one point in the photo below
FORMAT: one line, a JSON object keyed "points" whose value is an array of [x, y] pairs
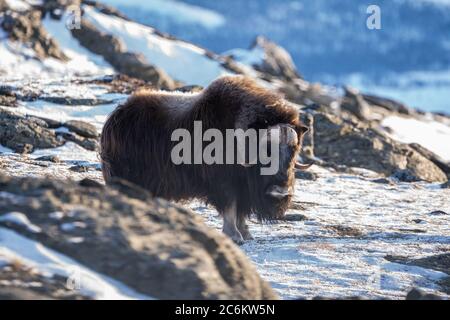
{"points": [[57, 215], [82, 61], [70, 226], [5, 149], [181, 60], [250, 58], [21, 62], [15, 247], [180, 12], [76, 240], [18, 5], [432, 135], [96, 115], [69, 152], [19, 219]]}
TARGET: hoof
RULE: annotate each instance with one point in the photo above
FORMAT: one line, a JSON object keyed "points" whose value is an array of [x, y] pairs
{"points": [[236, 236]]}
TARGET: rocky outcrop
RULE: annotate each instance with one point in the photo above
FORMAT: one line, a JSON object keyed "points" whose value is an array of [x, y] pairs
{"points": [[156, 248], [276, 61], [388, 104], [27, 28], [342, 142], [438, 161], [115, 52], [7, 97], [82, 128], [24, 134], [354, 103]]}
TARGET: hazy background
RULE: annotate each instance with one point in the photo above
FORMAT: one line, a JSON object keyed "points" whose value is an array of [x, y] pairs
{"points": [[408, 59]]}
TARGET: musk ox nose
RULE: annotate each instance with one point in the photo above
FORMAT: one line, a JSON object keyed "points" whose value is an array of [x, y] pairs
{"points": [[279, 192]]}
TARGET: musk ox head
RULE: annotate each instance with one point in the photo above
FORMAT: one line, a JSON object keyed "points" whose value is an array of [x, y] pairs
{"points": [[273, 193]]}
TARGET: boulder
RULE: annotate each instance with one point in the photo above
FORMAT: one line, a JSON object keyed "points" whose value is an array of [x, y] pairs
{"points": [[86, 143], [354, 103], [276, 62], [437, 160], [342, 142], [82, 128], [388, 104], [154, 247], [24, 134]]}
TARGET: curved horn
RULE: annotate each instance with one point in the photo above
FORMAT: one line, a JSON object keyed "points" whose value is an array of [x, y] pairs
{"points": [[287, 134], [302, 166]]}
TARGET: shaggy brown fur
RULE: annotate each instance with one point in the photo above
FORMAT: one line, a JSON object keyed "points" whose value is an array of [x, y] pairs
{"points": [[136, 145]]}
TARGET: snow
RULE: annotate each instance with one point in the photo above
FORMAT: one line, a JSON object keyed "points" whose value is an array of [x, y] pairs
{"points": [[14, 247], [250, 58], [432, 135], [82, 61], [5, 149], [178, 11], [181, 60], [307, 258], [19, 219], [21, 62], [71, 226], [69, 152], [18, 5]]}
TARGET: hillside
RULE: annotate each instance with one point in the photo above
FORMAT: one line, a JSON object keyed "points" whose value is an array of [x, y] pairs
{"points": [[370, 219]]}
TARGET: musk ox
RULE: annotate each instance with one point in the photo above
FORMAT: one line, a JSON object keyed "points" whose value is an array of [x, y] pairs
{"points": [[137, 141]]}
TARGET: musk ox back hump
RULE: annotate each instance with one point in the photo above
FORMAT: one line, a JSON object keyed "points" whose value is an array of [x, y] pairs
{"points": [[129, 141]]}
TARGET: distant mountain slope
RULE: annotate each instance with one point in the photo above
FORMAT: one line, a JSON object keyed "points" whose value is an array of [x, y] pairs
{"points": [[329, 40]]}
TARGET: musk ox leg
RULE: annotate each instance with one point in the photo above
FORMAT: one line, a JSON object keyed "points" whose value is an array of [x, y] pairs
{"points": [[243, 228], [230, 224]]}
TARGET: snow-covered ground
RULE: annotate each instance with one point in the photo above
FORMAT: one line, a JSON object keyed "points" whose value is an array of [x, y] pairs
{"points": [[309, 258], [299, 258]]}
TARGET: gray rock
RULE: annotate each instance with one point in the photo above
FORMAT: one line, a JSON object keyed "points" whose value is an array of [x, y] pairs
{"points": [[354, 102], [343, 142], [24, 134], [277, 61], [305, 175], [405, 175], [388, 104], [50, 158], [87, 143], [439, 213], [417, 294], [70, 101], [438, 161], [82, 128], [150, 245]]}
